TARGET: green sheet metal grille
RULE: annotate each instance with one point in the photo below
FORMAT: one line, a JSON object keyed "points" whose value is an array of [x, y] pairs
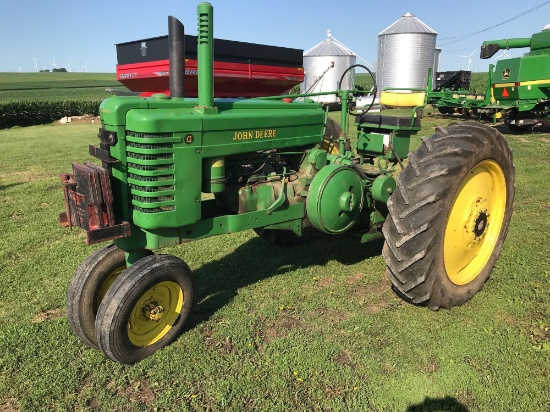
{"points": [[150, 172]]}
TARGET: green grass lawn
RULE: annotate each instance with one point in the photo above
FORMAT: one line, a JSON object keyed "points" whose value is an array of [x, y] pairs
{"points": [[314, 327]]}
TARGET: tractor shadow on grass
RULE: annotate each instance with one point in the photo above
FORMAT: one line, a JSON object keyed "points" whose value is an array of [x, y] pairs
{"points": [[217, 282], [4, 187], [447, 404]]}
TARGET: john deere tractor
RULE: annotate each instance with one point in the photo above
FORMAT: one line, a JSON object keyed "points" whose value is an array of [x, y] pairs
{"points": [[176, 169]]}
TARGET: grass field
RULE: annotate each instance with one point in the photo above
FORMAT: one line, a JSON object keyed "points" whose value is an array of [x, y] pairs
{"points": [[56, 86], [314, 327]]}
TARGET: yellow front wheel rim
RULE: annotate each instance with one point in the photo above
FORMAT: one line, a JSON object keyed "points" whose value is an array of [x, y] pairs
{"points": [[108, 282], [155, 313], [475, 222]]}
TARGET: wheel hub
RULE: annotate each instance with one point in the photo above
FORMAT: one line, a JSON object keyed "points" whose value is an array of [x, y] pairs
{"points": [[155, 313], [481, 224], [476, 223], [152, 311]]}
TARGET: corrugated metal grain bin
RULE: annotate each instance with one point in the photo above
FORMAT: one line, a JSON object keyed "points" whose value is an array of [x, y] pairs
{"points": [[406, 49], [324, 65]]}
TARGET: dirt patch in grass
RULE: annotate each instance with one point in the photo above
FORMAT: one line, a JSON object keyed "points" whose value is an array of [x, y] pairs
{"points": [[538, 331], [332, 315], [326, 282], [355, 279], [466, 398], [430, 366], [48, 315], [346, 358], [280, 328], [389, 369], [373, 296], [87, 391], [138, 391], [9, 405], [223, 346]]}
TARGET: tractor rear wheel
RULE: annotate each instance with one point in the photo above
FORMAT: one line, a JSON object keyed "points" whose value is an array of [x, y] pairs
{"points": [[449, 216], [145, 309], [90, 282]]}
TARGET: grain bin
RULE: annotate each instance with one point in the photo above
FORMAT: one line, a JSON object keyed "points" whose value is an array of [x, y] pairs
{"points": [[324, 65], [406, 50]]}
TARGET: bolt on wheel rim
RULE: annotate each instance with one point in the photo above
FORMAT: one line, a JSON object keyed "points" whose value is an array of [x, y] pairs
{"points": [[155, 313], [475, 222]]}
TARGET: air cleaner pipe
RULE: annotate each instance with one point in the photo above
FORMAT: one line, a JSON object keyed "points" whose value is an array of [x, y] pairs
{"points": [[176, 56], [205, 55]]}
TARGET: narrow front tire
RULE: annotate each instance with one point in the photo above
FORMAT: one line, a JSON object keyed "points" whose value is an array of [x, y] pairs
{"points": [[145, 309]]}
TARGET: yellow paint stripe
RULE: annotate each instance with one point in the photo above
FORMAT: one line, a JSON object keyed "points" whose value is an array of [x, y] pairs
{"points": [[528, 83], [534, 82]]}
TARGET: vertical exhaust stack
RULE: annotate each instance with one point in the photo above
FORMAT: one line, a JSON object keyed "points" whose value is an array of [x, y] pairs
{"points": [[176, 56], [205, 54]]}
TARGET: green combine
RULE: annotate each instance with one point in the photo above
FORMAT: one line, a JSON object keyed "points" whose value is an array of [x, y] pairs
{"points": [[521, 85], [176, 169], [518, 89]]}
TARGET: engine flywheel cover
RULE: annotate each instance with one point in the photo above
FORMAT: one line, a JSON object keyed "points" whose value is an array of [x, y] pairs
{"points": [[335, 199]]}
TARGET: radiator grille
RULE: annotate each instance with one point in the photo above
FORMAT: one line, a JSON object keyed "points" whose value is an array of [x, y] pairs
{"points": [[150, 171]]}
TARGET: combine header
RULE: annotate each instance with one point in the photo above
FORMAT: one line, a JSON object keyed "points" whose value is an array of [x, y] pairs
{"points": [[280, 167]]}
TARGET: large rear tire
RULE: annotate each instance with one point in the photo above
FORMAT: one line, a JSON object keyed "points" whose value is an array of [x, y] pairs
{"points": [[449, 216]]}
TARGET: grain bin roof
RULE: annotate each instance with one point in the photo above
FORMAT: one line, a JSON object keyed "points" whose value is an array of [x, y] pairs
{"points": [[329, 47], [408, 23]]}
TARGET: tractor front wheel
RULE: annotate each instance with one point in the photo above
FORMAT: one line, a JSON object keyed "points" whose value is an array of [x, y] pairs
{"points": [[89, 285], [449, 216], [145, 309]]}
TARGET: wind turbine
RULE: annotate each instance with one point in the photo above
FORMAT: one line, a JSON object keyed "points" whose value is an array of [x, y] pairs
{"points": [[86, 67], [503, 55], [54, 66], [469, 59], [35, 63], [69, 65]]}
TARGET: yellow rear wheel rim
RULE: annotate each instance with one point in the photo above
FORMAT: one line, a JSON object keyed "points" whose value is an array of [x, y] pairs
{"points": [[475, 222], [155, 313]]}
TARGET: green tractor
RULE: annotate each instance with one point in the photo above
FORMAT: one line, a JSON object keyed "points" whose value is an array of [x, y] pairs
{"points": [[521, 85], [176, 169]]}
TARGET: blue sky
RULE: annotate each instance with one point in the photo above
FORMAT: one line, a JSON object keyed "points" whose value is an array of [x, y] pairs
{"points": [[85, 32]]}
